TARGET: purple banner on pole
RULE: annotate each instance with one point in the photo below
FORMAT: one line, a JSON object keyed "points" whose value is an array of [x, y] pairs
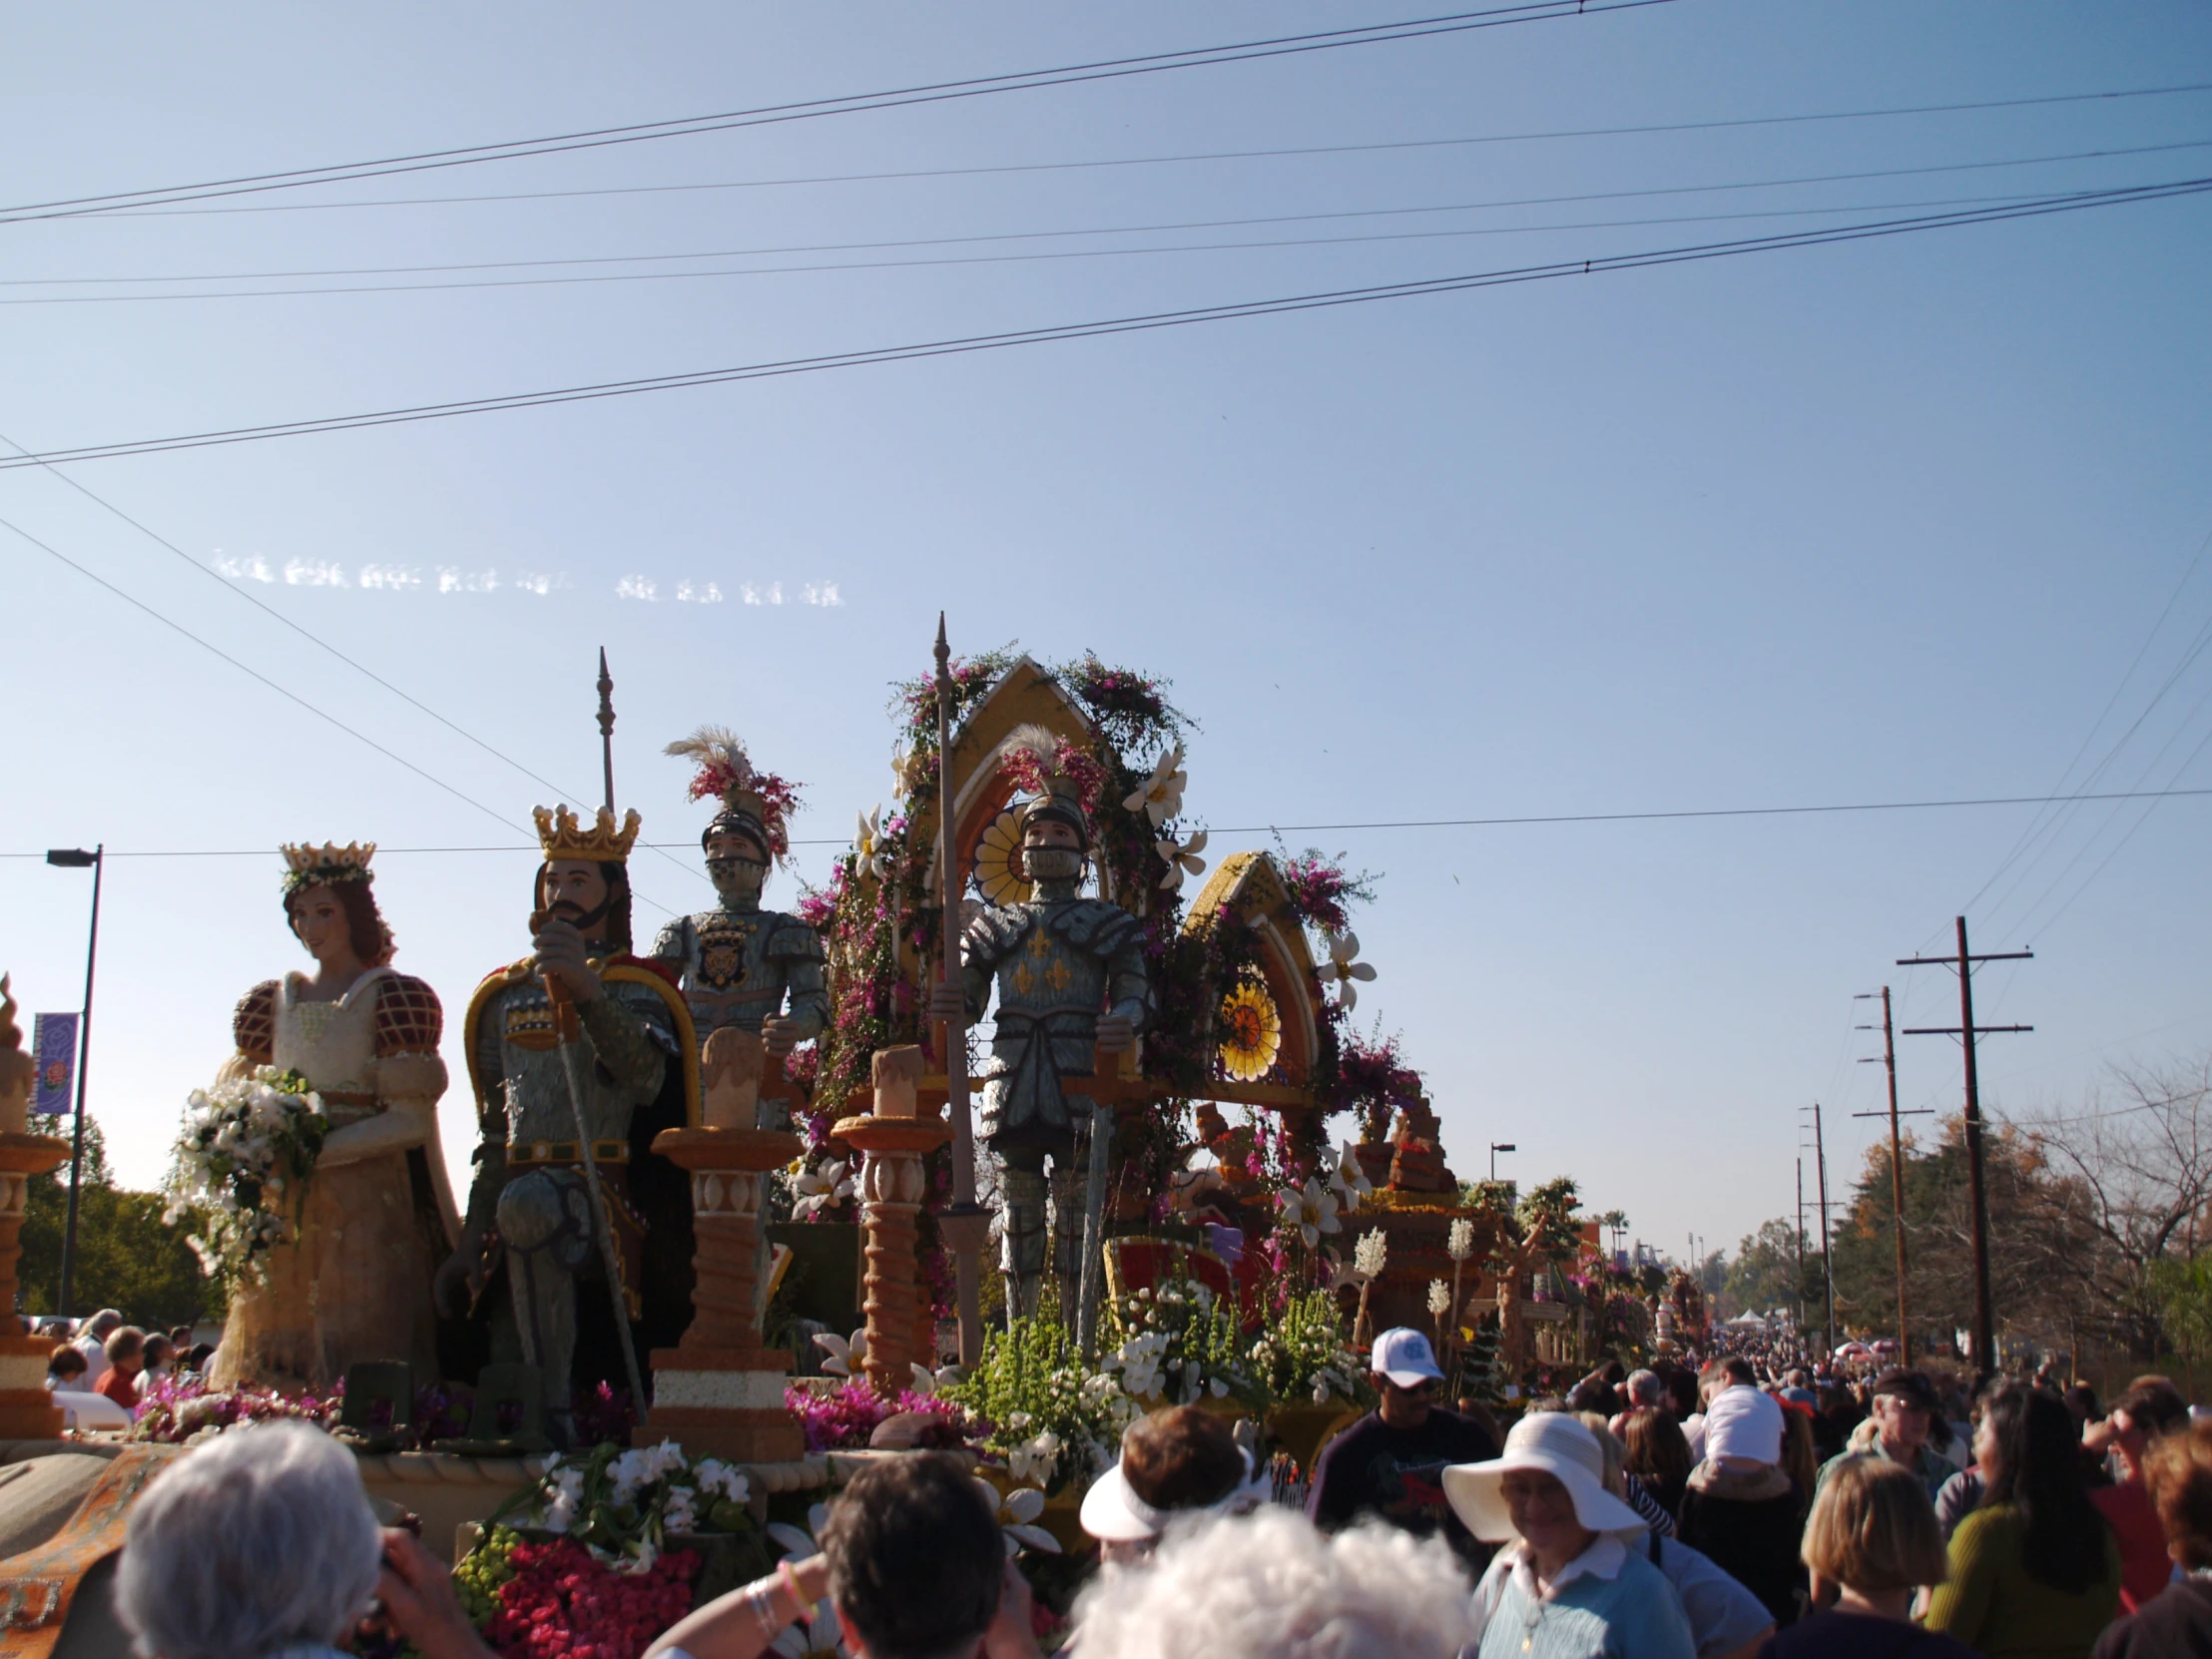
{"points": [[54, 1043]]}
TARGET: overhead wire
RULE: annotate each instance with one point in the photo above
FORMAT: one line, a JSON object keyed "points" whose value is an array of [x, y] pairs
{"points": [[1534, 11], [282, 691], [306, 634], [1502, 822], [1175, 224], [1177, 160], [1866, 231], [2104, 714]]}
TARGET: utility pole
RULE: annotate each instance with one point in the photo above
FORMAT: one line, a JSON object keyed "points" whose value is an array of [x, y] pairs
{"points": [[1896, 1166], [1984, 1318], [1828, 1265], [76, 857], [1801, 1242]]}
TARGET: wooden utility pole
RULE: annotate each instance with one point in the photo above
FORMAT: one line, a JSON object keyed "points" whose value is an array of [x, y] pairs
{"points": [[1984, 1317], [1896, 1168], [1801, 1244], [1828, 1263]]}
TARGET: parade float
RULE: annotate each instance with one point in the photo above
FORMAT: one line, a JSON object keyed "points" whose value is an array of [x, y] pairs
{"points": [[1129, 1151]]}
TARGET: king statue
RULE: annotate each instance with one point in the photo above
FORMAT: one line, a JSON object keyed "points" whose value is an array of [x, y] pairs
{"points": [[1071, 980], [531, 1262], [741, 965]]}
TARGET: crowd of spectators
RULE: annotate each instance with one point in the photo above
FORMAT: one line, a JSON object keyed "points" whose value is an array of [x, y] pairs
{"points": [[1634, 1518]]}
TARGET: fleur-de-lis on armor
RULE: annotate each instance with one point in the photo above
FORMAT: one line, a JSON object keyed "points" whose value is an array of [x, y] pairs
{"points": [[1341, 967], [1182, 859]]}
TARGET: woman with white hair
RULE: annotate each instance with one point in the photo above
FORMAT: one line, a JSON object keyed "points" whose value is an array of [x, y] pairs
{"points": [[262, 1544], [1268, 1585], [1574, 1582]]}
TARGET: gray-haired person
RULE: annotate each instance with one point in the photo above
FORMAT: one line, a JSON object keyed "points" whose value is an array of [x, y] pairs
{"points": [[264, 1545]]}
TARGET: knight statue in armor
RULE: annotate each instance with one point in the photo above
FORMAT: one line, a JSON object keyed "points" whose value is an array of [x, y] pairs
{"points": [[530, 1267], [1071, 979], [377, 1218], [741, 965]]}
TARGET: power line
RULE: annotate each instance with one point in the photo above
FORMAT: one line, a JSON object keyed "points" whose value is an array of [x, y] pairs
{"points": [[1315, 828], [2035, 824], [2073, 201], [1165, 160], [933, 92], [1143, 230], [310, 637], [963, 260], [289, 696]]}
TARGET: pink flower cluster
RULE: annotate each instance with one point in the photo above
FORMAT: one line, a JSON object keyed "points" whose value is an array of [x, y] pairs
{"points": [[843, 1420]]}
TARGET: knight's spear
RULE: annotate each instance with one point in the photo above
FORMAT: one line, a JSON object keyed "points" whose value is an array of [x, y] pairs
{"points": [[963, 1224]]}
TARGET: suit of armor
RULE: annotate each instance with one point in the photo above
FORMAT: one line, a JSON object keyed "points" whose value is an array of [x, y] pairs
{"points": [[530, 1191], [743, 967], [1059, 961]]}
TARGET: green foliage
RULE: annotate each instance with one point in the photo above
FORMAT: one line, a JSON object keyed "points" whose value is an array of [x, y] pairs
{"points": [[2183, 1291], [128, 1258], [1479, 1366], [1764, 1275], [1305, 1354], [1047, 1414]]}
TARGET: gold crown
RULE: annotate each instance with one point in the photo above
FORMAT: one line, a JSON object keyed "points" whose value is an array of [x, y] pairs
{"points": [[305, 865], [563, 836]]}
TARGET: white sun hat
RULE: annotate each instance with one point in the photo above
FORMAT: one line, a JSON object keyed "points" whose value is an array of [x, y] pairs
{"points": [[1114, 1514], [1549, 1443]]}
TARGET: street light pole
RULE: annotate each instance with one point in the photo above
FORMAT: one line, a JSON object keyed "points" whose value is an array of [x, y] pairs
{"points": [[76, 857], [1495, 1148]]}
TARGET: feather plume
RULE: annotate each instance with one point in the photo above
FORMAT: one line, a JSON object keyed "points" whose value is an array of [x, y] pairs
{"points": [[718, 750]]}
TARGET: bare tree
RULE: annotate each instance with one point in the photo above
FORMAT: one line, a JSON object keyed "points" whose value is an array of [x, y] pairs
{"points": [[2137, 1162]]}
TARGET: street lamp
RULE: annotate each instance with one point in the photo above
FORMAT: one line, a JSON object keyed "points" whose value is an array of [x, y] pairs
{"points": [[76, 857], [1495, 1148]]}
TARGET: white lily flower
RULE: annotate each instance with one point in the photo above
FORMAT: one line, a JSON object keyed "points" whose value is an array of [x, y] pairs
{"points": [[927, 1382], [846, 1352], [1311, 1210], [1439, 1298], [822, 1188], [1016, 1512], [1182, 858], [1160, 797], [1349, 1181], [867, 844], [1341, 967]]}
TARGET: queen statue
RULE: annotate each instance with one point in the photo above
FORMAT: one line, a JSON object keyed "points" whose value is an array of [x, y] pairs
{"points": [[377, 1216]]}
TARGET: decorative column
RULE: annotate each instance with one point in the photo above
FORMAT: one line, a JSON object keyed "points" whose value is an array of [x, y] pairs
{"points": [[894, 1139], [27, 1410], [719, 1392]]}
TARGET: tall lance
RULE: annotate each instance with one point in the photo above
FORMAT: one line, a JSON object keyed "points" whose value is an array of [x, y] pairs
{"points": [[566, 1030], [966, 1215]]}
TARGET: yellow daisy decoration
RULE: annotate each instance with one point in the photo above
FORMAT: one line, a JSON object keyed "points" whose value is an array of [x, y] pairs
{"points": [[998, 870], [1251, 1032]]}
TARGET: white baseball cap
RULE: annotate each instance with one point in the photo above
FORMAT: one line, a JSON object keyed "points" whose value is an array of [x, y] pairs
{"points": [[1402, 1354], [1552, 1443]]}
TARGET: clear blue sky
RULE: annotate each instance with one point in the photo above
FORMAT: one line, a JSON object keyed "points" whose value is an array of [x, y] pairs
{"points": [[1875, 522]]}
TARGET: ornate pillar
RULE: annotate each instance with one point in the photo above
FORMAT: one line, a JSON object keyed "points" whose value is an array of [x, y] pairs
{"points": [[719, 1392], [27, 1410], [892, 1183]]}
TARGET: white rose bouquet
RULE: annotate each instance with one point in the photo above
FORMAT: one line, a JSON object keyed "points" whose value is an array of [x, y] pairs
{"points": [[242, 1161]]}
